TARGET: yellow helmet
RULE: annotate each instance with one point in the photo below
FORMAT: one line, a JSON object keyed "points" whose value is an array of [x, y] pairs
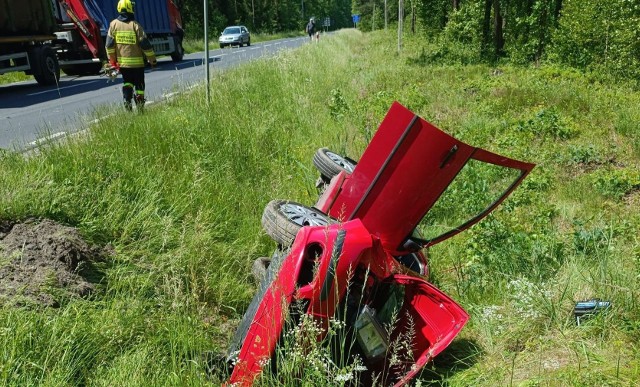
{"points": [[125, 6]]}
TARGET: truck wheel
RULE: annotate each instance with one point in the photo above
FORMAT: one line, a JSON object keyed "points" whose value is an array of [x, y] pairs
{"points": [[330, 164], [45, 66], [178, 54], [282, 219]]}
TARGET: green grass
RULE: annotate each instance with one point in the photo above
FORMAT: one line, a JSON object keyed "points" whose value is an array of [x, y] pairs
{"points": [[178, 192], [14, 77]]}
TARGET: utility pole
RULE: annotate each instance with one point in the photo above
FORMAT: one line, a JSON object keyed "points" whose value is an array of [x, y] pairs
{"points": [[400, 22], [413, 17], [386, 15], [206, 50], [373, 17]]}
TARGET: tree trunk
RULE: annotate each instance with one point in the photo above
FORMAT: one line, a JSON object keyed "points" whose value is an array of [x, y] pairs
{"points": [[456, 5], [486, 29], [498, 36], [556, 11], [413, 17]]}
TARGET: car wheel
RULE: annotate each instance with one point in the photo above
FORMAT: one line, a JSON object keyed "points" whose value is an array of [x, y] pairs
{"points": [[270, 271], [222, 46], [282, 219], [248, 42], [259, 269], [330, 164]]}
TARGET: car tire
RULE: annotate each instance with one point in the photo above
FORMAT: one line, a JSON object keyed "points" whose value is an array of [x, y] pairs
{"points": [[330, 164], [282, 219], [222, 46], [259, 269], [270, 272], [248, 42]]}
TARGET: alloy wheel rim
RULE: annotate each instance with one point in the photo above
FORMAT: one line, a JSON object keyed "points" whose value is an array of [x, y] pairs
{"points": [[303, 216]]}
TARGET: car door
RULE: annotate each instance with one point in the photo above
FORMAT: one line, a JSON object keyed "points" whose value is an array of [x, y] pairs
{"points": [[244, 34], [404, 172]]}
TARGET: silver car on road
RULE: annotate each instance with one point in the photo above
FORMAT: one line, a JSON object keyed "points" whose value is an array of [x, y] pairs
{"points": [[235, 36]]}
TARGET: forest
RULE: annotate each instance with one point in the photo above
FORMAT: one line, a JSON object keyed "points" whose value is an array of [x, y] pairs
{"points": [[599, 37]]}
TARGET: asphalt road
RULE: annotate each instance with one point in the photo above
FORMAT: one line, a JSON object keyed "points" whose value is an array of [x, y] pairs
{"points": [[31, 114]]}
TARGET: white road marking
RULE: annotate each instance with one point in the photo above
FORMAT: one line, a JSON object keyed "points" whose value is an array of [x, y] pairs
{"points": [[48, 138]]}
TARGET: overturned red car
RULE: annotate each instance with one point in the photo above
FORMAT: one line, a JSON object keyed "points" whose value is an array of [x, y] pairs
{"points": [[357, 253]]}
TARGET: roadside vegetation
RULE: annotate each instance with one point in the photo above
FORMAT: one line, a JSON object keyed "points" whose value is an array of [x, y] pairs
{"points": [[176, 195], [14, 77]]}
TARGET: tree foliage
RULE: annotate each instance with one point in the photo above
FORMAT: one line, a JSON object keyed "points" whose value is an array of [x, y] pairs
{"points": [[592, 35], [599, 35]]}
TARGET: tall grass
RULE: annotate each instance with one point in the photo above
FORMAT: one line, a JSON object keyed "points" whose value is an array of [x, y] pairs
{"points": [[178, 193]]}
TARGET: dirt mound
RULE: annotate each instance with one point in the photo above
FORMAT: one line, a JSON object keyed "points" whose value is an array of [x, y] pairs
{"points": [[44, 262]]}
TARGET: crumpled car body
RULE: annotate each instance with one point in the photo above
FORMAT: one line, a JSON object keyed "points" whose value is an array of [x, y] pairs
{"points": [[397, 201]]}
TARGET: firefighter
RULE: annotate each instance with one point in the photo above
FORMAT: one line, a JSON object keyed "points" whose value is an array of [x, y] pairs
{"points": [[127, 46]]}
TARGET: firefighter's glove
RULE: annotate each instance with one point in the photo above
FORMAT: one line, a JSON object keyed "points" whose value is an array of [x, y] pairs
{"points": [[153, 62]]}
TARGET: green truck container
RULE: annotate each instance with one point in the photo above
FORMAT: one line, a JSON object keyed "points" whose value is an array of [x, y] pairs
{"points": [[26, 31], [26, 17]]}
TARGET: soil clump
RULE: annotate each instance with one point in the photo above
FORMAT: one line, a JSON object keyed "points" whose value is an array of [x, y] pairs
{"points": [[46, 263]]}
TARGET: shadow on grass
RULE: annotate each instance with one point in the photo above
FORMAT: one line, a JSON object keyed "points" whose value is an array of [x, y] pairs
{"points": [[461, 355]]}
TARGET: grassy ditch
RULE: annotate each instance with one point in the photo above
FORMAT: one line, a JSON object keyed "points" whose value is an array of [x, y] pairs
{"points": [[178, 192]]}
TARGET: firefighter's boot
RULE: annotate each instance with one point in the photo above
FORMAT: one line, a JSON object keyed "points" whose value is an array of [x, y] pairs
{"points": [[127, 94], [140, 101]]}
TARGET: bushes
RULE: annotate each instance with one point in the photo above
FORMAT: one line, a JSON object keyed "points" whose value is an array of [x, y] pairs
{"points": [[591, 35]]}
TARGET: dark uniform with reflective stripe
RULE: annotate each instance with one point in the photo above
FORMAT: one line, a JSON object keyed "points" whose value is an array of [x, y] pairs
{"points": [[127, 45]]}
